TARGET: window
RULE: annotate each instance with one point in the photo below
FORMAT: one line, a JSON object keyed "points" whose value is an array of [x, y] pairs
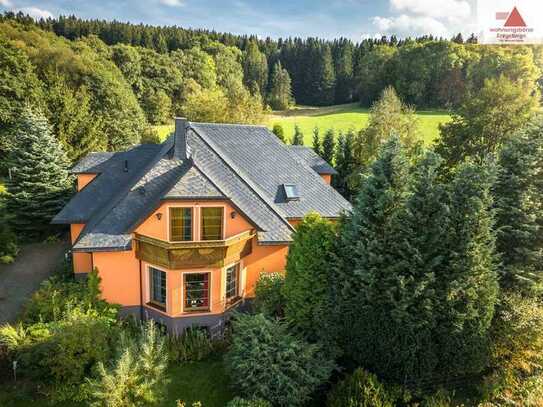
{"points": [[212, 223], [291, 192], [180, 224], [232, 282], [157, 280], [196, 291]]}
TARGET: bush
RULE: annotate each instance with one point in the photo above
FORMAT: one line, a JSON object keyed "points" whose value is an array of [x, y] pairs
{"points": [[266, 361], [239, 402], [517, 351], [193, 345], [150, 136], [57, 294], [362, 389], [138, 375], [269, 297]]}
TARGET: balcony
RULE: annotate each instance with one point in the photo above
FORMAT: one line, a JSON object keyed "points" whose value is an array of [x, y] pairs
{"points": [[188, 255]]}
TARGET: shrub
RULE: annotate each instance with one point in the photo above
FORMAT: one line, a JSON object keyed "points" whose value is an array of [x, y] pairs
{"points": [[193, 345], [266, 361], [269, 297], [517, 351], [56, 295], [362, 389], [239, 402], [150, 136], [137, 376]]}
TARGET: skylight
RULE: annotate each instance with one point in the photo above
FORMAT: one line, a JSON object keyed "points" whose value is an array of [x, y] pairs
{"points": [[291, 192]]}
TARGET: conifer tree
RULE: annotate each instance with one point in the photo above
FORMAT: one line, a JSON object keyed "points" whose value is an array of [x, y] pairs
{"points": [[328, 146], [280, 95], [298, 138], [317, 141], [518, 196], [279, 132], [39, 184], [255, 68], [307, 271], [344, 165]]}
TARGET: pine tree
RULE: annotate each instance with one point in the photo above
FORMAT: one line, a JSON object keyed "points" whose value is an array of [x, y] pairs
{"points": [[40, 183], [307, 271], [328, 146], [279, 132], [280, 95], [344, 165], [317, 141], [298, 138], [327, 77], [518, 196]]}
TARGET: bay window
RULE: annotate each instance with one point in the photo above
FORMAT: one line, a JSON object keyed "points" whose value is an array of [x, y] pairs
{"points": [[180, 224], [157, 279], [232, 283], [196, 291]]}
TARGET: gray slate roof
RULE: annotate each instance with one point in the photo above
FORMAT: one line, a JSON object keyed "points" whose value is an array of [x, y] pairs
{"points": [[311, 158], [246, 165]]}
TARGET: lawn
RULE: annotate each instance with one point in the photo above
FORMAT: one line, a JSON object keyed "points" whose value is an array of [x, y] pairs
{"points": [[338, 117], [204, 381], [344, 118]]}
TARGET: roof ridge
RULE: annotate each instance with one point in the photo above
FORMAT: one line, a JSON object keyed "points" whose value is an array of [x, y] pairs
{"points": [[245, 178], [229, 124]]}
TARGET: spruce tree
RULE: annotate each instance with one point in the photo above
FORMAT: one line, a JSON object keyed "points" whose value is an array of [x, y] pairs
{"points": [[255, 68], [307, 271], [317, 141], [468, 284], [328, 146], [518, 196], [280, 95], [40, 183], [298, 137], [279, 132], [344, 165]]}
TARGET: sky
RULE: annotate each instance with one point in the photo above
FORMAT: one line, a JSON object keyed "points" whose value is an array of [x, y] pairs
{"points": [[354, 19]]}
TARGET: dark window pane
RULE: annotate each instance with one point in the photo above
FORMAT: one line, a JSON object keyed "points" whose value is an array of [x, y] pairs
{"points": [[158, 286], [212, 223], [180, 224], [232, 281], [196, 291]]}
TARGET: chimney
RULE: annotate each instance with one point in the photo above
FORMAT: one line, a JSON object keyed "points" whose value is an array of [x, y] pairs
{"points": [[181, 150]]}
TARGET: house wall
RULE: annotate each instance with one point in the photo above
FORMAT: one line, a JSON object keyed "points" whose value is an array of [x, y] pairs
{"points": [[159, 229], [264, 259], [82, 262], [327, 178], [83, 180]]}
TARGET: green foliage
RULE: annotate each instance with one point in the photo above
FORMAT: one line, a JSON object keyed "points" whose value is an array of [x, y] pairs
{"points": [[345, 165], [328, 146], [518, 195], [239, 402], [255, 68], [8, 240], [389, 117], [486, 120], [40, 184], [361, 389], [269, 298], [415, 288], [279, 132], [137, 376], [150, 136], [298, 137], [280, 95], [316, 142], [309, 265], [266, 361], [193, 345], [517, 349]]}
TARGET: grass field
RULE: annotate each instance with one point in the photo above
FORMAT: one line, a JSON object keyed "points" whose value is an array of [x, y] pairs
{"points": [[344, 118], [338, 117]]}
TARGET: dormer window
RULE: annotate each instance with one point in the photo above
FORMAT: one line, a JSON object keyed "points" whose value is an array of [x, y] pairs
{"points": [[291, 192]]}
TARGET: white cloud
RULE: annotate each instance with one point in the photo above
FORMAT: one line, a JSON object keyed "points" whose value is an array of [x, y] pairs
{"points": [[172, 3], [5, 3], [448, 9], [405, 25], [34, 12]]}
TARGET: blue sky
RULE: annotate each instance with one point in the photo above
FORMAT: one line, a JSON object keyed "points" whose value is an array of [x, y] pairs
{"points": [[278, 18]]}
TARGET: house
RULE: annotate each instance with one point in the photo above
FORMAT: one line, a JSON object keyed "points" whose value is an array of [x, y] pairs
{"points": [[180, 231]]}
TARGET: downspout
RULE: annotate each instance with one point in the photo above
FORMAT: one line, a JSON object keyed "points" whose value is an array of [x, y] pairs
{"points": [[141, 294]]}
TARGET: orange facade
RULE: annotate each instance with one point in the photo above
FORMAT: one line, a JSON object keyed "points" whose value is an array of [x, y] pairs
{"points": [[128, 281]]}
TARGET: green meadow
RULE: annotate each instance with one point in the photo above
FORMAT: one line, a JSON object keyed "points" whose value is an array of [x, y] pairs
{"points": [[338, 117]]}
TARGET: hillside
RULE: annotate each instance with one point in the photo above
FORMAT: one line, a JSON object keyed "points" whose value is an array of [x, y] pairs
{"points": [[339, 117]]}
